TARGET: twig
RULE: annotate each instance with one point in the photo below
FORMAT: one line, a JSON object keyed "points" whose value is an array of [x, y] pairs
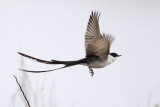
{"points": [[22, 91]]}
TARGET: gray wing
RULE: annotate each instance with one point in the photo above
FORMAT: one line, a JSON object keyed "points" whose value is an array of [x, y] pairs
{"points": [[100, 46], [93, 30]]}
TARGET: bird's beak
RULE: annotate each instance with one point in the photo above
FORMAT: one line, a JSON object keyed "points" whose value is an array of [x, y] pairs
{"points": [[119, 55]]}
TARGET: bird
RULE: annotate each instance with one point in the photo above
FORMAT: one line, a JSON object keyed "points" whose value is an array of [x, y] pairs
{"points": [[97, 48]]}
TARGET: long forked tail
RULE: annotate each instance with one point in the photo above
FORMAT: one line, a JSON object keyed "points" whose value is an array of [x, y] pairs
{"points": [[66, 63]]}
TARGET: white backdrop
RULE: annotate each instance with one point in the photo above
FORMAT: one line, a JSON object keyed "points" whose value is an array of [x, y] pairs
{"points": [[51, 29]]}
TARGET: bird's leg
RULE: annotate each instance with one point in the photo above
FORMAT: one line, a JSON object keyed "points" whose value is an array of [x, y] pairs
{"points": [[92, 73], [90, 69]]}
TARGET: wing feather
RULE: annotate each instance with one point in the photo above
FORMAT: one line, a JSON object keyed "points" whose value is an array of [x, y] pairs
{"points": [[100, 46], [93, 30], [95, 43]]}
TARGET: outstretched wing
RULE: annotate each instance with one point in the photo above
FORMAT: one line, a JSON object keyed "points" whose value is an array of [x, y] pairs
{"points": [[100, 46], [92, 31]]}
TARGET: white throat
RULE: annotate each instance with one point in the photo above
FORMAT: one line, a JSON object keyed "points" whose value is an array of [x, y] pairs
{"points": [[111, 59]]}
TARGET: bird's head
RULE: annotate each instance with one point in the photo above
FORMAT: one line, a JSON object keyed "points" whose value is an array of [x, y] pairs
{"points": [[112, 57]]}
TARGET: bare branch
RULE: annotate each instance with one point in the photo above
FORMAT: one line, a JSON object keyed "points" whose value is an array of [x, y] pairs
{"points": [[22, 91]]}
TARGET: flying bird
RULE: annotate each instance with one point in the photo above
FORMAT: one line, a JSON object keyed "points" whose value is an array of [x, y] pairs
{"points": [[97, 47]]}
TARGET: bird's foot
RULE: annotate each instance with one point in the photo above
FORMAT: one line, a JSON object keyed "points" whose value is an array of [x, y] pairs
{"points": [[91, 71]]}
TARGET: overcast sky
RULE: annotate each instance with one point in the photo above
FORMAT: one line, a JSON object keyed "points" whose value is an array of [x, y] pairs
{"points": [[54, 29]]}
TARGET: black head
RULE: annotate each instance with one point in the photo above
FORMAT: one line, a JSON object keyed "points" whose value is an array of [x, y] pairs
{"points": [[114, 54]]}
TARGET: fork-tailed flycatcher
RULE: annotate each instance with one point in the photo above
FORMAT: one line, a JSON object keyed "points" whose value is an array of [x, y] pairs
{"points": [[97, 48]]}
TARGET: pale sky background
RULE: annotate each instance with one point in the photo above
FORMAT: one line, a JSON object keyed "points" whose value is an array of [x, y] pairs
{"points": [[54, 29]]}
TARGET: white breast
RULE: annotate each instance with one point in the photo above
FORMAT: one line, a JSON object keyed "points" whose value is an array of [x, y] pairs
{"points": [[111, 59], [98, 64], [101, 63]]}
